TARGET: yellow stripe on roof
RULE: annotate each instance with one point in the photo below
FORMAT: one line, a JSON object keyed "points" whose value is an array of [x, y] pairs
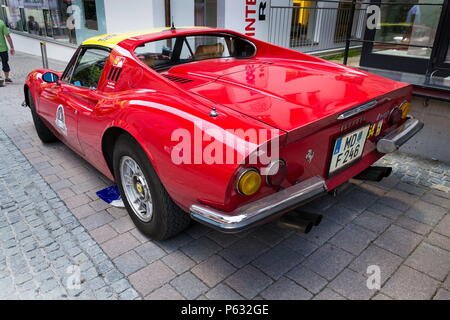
{"points": [[112, 39]]}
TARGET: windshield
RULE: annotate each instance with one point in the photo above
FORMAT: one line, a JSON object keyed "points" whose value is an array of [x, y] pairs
{"points": [[163, 54]]}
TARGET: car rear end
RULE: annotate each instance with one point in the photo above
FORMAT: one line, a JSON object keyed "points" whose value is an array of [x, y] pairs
{"points": [[316, 158]]}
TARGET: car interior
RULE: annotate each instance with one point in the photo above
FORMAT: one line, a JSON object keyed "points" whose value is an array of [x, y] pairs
{"points": [[161, 55]]}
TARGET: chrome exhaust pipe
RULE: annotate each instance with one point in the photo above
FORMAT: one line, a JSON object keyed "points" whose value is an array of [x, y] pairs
{"points": [[295, 223], [374, 173]]}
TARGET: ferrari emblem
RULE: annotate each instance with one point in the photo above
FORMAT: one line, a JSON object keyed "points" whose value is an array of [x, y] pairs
{"points": [[118, 62], [310, 155], [139, 187]]}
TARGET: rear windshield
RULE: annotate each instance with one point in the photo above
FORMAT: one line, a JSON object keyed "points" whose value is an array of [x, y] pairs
{"points": [[163, 54]]}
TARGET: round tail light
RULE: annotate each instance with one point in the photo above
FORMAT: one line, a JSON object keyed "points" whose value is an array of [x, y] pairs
{"points": [[276, 172], [395, 116], [249, 182]]}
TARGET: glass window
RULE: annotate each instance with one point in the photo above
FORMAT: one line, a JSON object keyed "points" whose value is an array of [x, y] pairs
{"points": [[89, 68], [70, 21], [413, 24], [165, 53]]}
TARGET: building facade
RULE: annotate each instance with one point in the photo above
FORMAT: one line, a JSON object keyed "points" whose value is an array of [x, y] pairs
{"points": [[64, 24]]}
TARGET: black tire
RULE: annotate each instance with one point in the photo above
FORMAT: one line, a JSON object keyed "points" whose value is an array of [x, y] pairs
{"points": [[168, 219], [42, 130]]}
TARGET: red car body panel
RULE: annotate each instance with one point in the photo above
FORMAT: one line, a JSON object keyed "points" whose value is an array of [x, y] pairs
{"points": [[278, 88]]}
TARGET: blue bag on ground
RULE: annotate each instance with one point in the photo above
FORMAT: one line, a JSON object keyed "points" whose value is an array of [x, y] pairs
{"points": [[111, 195]]}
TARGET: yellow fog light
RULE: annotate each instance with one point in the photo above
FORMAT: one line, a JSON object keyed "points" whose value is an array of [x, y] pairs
{"points": [[249, 182], [405, 108]]}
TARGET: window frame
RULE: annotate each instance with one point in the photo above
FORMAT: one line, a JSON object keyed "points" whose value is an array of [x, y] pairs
{"points": [[70, 68], [177, 39]]}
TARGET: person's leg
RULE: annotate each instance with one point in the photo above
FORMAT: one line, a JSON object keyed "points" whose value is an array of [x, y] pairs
{"points": [[6, 68], [2, 58]]}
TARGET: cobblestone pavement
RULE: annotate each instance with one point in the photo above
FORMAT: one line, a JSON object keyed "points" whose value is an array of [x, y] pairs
{"points": [[401, 225]]}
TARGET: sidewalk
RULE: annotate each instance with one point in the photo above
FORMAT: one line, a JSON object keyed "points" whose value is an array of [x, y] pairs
{"points": [[401, 225]]}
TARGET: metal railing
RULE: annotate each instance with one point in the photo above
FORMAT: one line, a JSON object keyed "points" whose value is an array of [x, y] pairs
{"points": [[316, 25]]}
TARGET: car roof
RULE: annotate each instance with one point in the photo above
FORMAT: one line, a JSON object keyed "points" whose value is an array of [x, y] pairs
{"points": [[113, 39]]}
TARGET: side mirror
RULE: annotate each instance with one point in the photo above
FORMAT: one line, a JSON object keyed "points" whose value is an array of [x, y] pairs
{"points": [[50, 77]]}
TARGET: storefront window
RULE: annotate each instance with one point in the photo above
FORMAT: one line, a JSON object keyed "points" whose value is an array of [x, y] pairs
{"points": [[70, 21], [408, 30]]}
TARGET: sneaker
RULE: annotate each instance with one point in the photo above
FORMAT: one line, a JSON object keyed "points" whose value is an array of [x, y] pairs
{"points": [[8, 80]]}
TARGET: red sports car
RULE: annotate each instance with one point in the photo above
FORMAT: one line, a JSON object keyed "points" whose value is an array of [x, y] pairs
{"points": [[216, 126]]}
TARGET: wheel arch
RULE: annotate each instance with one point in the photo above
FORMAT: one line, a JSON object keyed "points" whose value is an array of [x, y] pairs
{"points": [[109, 139]]}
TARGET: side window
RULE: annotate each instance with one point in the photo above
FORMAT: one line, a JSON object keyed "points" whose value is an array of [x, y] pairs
{"points": [[89, 68]]}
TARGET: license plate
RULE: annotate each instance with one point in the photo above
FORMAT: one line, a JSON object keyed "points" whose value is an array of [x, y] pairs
{"points": [[348, 148]]}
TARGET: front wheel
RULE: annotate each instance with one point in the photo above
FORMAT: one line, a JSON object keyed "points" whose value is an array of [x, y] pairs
{"points": [[145, 198]]}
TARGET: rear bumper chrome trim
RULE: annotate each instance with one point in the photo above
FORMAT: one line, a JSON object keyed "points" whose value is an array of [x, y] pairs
{"points": [[395, 139], [258, 212]]}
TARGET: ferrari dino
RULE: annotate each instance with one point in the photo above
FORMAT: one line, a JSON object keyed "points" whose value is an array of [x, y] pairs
{"points": [[216, 126]]}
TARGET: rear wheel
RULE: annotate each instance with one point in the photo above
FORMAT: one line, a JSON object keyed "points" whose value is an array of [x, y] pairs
{"points": [[148, 203], [42, 130]]}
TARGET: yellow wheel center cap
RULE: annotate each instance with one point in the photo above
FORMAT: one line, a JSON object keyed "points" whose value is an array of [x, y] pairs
{"points": [[139, 188]]}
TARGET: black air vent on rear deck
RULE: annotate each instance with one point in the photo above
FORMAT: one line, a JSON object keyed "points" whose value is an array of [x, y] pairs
{"points": [[114, 74], [176, 78]]}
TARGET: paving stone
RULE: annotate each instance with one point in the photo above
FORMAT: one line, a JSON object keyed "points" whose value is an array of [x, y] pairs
{"points": [[178, 262], [166, 292], [243, 251], [413, 225], [373, 222], [119, 245], [300, 244], [340, 214], [352, 285], [175, 243], [436, 200], [380, 296], [376, 256], [442, 294], [223, 292], [150, 252], [323, 232], [213, 270], [439, 240], [409, 284], [122, 225], [353, 239], [277, 261], [268, 235], [328, 294], [285, 289], [426, 213], [96, 220], [200, 249], [103, 233], [398, 240], [328, 261], [222, 239], [307, 279], [430, 260], [151, 277], [358, 200], [444, 226], [189, 285], [43, 238], [411, 188], [129, 262], [248, 281], [380, 208]]}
